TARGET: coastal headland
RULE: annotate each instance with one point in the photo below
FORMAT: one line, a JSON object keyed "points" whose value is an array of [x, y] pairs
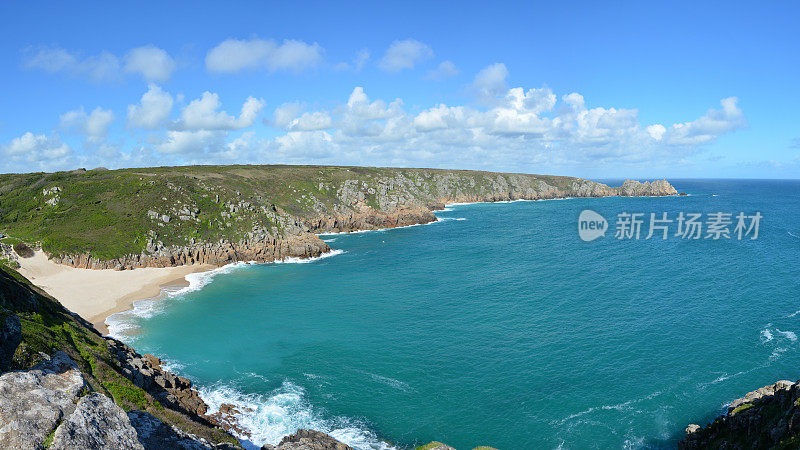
{"points": [[99, 240], [168, 222]]}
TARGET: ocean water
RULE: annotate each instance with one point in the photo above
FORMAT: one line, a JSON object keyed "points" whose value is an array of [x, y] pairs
{"points": [[498, 326]]}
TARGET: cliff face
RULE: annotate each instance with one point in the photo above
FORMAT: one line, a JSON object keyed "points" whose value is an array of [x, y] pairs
{"points": [[63, 386], [766, 418], [216, 215]]}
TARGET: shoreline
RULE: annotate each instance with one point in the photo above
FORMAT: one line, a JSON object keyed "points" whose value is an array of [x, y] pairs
{"points": [[96, 294]]}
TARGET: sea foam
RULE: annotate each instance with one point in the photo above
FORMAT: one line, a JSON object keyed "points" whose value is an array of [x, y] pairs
{"points": [[123, 326], [268, 418]]}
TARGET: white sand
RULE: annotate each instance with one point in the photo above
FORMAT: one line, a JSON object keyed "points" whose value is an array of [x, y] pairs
{"points": [[97, 294]]}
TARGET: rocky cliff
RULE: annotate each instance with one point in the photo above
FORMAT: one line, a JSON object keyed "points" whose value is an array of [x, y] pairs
{"points": [[767, 418], [63, 386], [215, 215]]}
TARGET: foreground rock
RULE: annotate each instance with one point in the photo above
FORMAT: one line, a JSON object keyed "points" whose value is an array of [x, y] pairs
{"points": [[68, 387], [155, 434], [33, 402], [768, 417], [308, 440], [96, 423]]}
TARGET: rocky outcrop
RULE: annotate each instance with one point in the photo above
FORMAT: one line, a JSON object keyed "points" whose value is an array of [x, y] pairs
{"points": [[765, 418], [146, 372], [97, 423], [308, 440], [631, 188], [33, 402], [261, 249], [52, 401], [155, 434], [369, 219], [7, 252]]}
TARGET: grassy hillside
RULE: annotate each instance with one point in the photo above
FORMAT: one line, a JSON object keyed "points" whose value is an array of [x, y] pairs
{"points": [[109, 214]]}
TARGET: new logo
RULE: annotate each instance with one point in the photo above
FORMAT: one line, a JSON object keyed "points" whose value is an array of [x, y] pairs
{"points": [[591, 225]]}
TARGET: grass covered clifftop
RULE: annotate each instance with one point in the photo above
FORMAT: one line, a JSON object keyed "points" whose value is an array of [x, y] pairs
{"points": [[169, 213]]}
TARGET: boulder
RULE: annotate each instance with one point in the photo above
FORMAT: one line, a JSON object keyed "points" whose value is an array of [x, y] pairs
{"points": [[33, 402], [308, 440], [97, 423]]}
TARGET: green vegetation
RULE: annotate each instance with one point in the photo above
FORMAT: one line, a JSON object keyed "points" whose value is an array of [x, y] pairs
{"points": [[741, 408], [112, 213], [429, 446], [48, 440], [126, 395], [47, 327]]}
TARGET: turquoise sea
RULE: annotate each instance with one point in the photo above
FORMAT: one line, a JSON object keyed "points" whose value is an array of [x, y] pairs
{"points": [[499, 326]]}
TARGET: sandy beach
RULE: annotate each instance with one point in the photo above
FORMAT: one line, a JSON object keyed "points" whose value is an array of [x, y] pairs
{"points": [[97, 294]]}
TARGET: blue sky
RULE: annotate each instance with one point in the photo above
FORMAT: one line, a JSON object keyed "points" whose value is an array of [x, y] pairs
{"points": [[592, 89]]}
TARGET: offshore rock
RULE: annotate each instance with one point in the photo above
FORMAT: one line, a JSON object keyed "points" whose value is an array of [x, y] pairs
{"points": [[631, 188]]}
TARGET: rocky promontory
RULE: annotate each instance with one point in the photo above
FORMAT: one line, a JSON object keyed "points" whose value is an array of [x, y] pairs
{"points": [[766, 418], [163, 217]]}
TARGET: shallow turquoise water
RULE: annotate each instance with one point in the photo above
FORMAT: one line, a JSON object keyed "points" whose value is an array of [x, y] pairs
{"points": [[499, 326]]}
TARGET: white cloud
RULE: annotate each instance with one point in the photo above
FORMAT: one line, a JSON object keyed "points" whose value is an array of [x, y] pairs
{"points": [[149, 61], [445, 70], [286, 113], [360, 60], [203, 113], [101, 67], [153, 109], [358, 63], [708, 127], [290, 117], [317, 120], [656, 131], [404, 55], [522, 130], [191, 142], [358, 105], [94, 125], [36, 149], [153, 63], [490, 82], [234, 55]]}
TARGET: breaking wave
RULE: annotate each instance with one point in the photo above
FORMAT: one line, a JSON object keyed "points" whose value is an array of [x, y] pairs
{"points": [[123, 326], [268, 418]]}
